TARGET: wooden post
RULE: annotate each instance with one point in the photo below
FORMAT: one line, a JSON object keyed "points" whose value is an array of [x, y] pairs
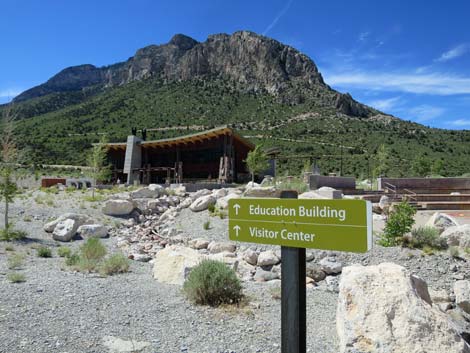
{"points": [[293, 296]]}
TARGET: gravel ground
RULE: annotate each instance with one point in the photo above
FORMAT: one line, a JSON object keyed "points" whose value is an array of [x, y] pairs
{"points": [[57, 310]]}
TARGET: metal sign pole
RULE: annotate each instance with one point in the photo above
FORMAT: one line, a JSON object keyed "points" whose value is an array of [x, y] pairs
{"points": [[293, 296]]}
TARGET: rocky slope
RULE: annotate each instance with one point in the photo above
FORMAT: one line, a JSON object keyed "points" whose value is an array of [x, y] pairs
{"points": [[249, 61]]}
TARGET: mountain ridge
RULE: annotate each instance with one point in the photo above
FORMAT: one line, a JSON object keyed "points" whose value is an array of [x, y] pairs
{"points": [[250, 61]]}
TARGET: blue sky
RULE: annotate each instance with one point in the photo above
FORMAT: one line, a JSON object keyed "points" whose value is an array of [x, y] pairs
{"points": [[410, 59]]}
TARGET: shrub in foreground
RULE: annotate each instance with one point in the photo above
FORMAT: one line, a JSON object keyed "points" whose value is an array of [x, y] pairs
{"points": [[9, 234], [15, 261], [213, 283], [425, 236], [116, 263], [15, 277]]}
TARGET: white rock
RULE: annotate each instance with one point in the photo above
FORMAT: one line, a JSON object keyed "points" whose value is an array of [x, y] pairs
{"points": [[462, 295], [141, 257], [329, 193], [200, 193], [329, 265], [259, 191], [199, 243], [252, 184], [216, 247], [218, 193], [456, 235], [202, 203], [118, 207], [250, 256], [382, 309], [173, 264], [150, 192], [222, 203], [439, 296], [441, 221], [385, 202], [178, 191], [65, 230], [268, 258], [311, 195], [92, 231], [186, 203], [118, 345], [77, 217]]}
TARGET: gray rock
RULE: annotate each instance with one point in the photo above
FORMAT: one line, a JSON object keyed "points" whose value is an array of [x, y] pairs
{"points": [[264, 276], [457, 235], [462, 295], [330, 265], [441, 221], [202, 203], [268, 258], [199, 243], [250, 256], [92, 231], [118, 345], [118, 207], [217, 247], [65, 230], [315, 272], [80, 219]]}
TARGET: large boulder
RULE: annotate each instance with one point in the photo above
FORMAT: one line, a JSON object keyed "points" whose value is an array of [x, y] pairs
{"points": [[92, 231], [150, 192], [250, 256], [315, 272], [222, 203], [384, 309], [202, 203], [457, 235], [77, 217], [118, 207], [173, 264], [260, 191], [268, 258], [462, 295], [65, 230], [215, 247], [330, 266], [200, 193], [441, 221]]}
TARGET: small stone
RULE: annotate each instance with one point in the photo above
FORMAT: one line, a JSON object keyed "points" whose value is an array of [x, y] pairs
{"points": [[268, 258]]}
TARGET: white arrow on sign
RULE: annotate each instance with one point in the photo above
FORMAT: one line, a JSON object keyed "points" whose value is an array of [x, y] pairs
{"points": [[236, 207], [237, 229]]}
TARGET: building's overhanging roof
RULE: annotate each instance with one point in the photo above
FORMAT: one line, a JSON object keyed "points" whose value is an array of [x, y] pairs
{"points": [[187, 139]]}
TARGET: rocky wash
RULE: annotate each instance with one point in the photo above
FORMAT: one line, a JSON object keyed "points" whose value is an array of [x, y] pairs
{"points": [[301, 211]]}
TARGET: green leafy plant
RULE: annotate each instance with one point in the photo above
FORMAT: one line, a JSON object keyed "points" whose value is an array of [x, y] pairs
{"points": [[206, 225], [399, 222], [91, 253], [211, 208], [116, 263], [12, 234], [213, 283], [64, 251], [16, 277], [97, 161], [44, 251], [72, 260]]}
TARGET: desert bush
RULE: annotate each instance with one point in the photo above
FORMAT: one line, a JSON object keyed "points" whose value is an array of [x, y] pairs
{"points": [[116, 263], [206, 225], [72, 259], [92, 250], [213, 283], [44, 251], [15, 277], [425, 236], [9, 248], [64, 251], [15, 261], [9, 234], [399, 222]]}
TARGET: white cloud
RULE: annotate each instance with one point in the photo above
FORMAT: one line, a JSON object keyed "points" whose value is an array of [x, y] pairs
{"points": [[363, 36], [453, 53], [9, 92], [278, 17], [426, 112], [385, 104], [431, 83], [461, 122]]}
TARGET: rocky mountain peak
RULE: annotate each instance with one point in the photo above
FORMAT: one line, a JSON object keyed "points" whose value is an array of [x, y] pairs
{"points": [[183, 42]]}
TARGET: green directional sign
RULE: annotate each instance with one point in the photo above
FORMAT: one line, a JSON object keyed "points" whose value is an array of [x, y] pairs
{"points": [[342, 225]]}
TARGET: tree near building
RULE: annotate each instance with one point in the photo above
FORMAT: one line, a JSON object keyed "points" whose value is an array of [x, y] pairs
{"points": [[382, 159], [256, 161], [100, 170], [9, 156], [421, 166]]}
